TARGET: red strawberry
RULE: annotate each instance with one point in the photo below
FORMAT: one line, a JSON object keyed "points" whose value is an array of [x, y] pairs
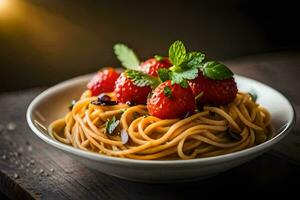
{"points": [[215, 92], [126, 91], [151, 65], [171, 101], [103, 81]]}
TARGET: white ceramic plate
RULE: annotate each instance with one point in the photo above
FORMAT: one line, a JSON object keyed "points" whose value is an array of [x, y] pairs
{"points": [[53, 103]]}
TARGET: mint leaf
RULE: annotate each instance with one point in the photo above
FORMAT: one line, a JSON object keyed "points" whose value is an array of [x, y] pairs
{"points": [[158, 58], [111, 125], [176, 78], [179, 79], [182, 77], [190, 73], [163, 74], [141, 79], [184, 83], [168, 92], [126, 56], [185, 64], [122, 111], [253, 95], [72, 103], [216, 71], [192, 59], [177, 53]]}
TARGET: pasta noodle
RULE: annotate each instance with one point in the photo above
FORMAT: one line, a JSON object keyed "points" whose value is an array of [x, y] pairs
{"points": [[210, 132]]}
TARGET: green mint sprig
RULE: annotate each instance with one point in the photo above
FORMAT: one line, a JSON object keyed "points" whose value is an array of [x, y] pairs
{"points": [[180, 58], [158, 57], [111, 125], [253, 95], [126, 56], [131, 62], [217, 71], [186, 66], [168, 92], [141, 79]]}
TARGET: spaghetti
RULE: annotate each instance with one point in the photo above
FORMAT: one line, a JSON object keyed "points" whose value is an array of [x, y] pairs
{"points": [[213, 131]]}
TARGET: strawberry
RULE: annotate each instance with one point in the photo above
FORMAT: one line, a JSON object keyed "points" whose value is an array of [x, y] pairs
{"points": [[126, 91], [103, 81], [215, 82], [215, 92], [171, 101], [151, 65]]}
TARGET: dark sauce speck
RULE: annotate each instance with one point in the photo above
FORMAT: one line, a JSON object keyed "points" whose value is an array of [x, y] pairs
{"points": [[235, 136], [186, 115], [104, 100], [130, 103]]}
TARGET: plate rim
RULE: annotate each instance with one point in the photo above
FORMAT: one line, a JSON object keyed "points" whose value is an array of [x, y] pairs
{"points": [[127, 161]]}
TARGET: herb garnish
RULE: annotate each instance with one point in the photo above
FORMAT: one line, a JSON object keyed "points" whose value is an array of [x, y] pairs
{"points": [[141, 79], [127, 56], [217, 71], [168, 92], [122, 110], [186, 66], [253, 95], [111, 125], [72, 103], [158, 58]]}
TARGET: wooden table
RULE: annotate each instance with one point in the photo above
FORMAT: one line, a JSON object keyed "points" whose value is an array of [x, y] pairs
{"points": [[29, 168]]}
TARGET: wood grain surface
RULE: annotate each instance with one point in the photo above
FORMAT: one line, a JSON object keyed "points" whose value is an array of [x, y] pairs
{"points": [[31, 169]]}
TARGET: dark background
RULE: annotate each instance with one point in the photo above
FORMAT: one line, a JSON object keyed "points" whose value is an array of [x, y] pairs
{"points": [[43, 42]]}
